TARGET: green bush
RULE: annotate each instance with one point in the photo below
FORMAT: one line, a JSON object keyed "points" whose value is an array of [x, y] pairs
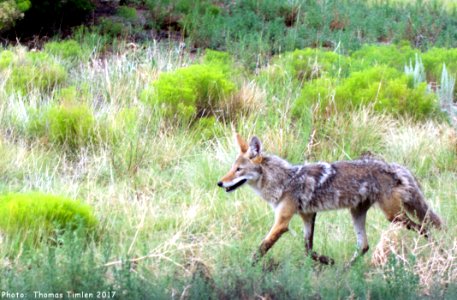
{"points": [[308, 64], [11, 10], [35, 216], [113, 27], [71, 124], [385, 88], [389, 90], [207, 128], [128, 13], [395, 56], [318, 91], [69, 49], [190, 92], [433, 62], [223, 59], [26, 71]]}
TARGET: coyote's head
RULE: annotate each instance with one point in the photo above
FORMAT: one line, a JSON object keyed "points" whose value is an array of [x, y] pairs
{"points": [[246, 167]]}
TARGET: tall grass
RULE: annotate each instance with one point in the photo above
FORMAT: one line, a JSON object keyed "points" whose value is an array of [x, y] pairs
{"points": [[167, 231]]}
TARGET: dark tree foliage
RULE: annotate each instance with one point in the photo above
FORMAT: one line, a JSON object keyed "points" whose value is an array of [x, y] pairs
{"points": [[52, 16]]}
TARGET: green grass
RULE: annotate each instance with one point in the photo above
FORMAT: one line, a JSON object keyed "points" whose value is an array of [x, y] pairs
{"points": [[166, 229]]}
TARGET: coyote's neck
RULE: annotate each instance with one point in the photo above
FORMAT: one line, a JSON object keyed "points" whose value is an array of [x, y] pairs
{"points": [[275, 177]]}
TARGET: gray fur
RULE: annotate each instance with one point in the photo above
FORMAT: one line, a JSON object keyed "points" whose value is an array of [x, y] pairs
{"points": [[312, 187], [343, 184]]}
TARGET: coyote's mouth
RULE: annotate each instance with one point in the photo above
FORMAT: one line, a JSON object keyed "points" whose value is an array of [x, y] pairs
{"points": [[235, 186]]}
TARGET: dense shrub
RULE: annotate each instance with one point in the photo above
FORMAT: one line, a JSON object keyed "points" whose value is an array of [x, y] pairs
{"points": [[222, 59], [433, 62], [193, 91], [11, 10], [71, 124], [128, 13], [34, 216], [383, 87], [30, 70], [69, 49], [396, 56], [310, 63], [389, 90], [319, 91]]}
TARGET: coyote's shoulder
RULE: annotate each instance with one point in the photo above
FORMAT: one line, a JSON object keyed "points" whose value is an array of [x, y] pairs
{"points": [[312, 187]]}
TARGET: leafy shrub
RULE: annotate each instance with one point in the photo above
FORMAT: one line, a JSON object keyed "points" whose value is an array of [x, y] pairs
{"points": [[128, 13], [125, 126], [69, 49], [207, 127], [33, 216], [223, 59], [310, 63], [389, 90], [433, 62], [395, 56], [30, 70], [383, 87], [190, 92], [113, 27], [319, 91], [11, 10], [69, 124]]}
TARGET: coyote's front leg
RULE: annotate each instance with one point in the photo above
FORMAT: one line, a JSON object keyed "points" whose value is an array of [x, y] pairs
{"points": [[283, 214], [359, 216], [309, 219]]}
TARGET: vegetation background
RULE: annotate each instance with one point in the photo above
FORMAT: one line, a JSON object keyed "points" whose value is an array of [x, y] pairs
{"points": [[116, 121]]}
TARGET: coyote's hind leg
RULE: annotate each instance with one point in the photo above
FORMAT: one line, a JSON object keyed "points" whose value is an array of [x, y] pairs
{"points": [[309, 219], [395, 213]]}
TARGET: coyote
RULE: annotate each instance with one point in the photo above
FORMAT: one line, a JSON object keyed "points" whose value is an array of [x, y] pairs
{"points": [[312, 187]]}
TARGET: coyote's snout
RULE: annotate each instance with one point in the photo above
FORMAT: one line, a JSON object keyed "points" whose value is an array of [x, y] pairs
{"points": [[309, 188]]}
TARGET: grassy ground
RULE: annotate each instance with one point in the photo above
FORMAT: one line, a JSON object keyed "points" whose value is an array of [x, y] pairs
{"points": [[167, 231]]}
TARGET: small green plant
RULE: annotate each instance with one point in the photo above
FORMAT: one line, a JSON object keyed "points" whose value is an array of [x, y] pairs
{"points": [[446, 95], [193, 91], [417, 72], [310, 63], [26, 71], [69, 49], [320, 91], [221, 59], [128, 13], [389, 90], [435, 58], [113, 27], [395, 56], [69, 124], [382, 87], [31, 217], [208, 128], [12, 10]]}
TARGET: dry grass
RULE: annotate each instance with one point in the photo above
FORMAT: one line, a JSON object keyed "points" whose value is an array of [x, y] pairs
{"points": [[435, 261]]}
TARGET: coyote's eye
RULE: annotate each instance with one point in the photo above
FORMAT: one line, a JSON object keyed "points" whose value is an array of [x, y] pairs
{"points": [[238, 169]]}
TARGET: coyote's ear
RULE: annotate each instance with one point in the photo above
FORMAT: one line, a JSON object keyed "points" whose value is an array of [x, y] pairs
{"points": [[241, 143], [255, 147]]}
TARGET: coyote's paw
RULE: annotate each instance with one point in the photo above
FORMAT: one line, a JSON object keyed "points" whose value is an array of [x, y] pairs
{"points": [[325, 260], [255, 258]]}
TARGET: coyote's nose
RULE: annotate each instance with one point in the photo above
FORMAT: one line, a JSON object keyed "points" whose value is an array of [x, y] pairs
{"points": [[219, 184]]}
